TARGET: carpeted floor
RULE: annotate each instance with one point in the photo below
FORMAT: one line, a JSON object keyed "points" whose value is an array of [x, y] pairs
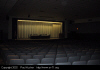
{"points": [[1, 61]]}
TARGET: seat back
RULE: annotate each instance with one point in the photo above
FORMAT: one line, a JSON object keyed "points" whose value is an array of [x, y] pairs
{"points": [[61, 55], [31, 54], [96, 53], [93, 62], [11, 57], [5, 56], [45, 64], [25, 52], [33, 61], [95, 57], [79, 63], [64, 63], [47, 60], [25, 64], [89, 53], [80, 54], [16, 61], [61, 52], [61, 60], [38, 56], [19, 54], [51, 53], [85, 58], [73, 58], [41, 53], [71, 54], [25, 57], [50, 56]]}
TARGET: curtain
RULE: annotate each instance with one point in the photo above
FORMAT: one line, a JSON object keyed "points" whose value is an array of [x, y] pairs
{"points": [[25, 29], [56, 30]]}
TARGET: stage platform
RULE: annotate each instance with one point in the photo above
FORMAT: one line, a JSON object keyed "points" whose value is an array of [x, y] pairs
{"points": [[40, 39]]}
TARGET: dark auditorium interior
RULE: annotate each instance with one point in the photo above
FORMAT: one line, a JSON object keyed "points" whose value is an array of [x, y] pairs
{"points": [[49, 32]]}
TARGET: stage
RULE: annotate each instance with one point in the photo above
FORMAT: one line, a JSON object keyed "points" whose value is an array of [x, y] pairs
{"points": [[40, 39]]}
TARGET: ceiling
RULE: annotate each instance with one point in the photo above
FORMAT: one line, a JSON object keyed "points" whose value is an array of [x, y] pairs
{"points": [[50, 9]]}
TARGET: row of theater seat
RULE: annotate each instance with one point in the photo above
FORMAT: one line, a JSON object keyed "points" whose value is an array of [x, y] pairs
{"points": [[78, 52], [54, 54], [50, 53], [50, 61], [30, 55]]}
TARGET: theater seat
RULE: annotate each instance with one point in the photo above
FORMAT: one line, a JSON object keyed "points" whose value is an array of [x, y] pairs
{"points": [[61, 60], [71, 54], [19, 54], [45, 64], [11, 57], [89, 53], [85, 58], [79, 63], [80, 54], [31, 54], [25, 57], [38, 57], [93, 62], [25, 64], [25, 52], [33, 61], [47, 60], [61, 55], [5, 56], [16, 61], [73, 58], [63, 63], [96, 53], [50, 56], [95, 57]]}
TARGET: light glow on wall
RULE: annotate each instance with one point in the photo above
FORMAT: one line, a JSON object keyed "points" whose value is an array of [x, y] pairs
{"points": [[40, 21]]}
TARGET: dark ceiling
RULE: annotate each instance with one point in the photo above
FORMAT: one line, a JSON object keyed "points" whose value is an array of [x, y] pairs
{"points": [[50, 9]]}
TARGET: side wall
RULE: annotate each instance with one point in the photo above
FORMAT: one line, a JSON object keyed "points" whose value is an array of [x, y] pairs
{"points": [[87, 29], [3, 29]]}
